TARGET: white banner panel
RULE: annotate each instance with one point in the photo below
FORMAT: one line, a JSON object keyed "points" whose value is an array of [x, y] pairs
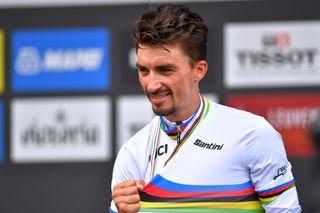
{"points": [[269, 54], [60, 129], [134, 112]]}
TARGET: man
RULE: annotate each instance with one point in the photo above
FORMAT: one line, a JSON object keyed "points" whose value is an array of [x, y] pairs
{"points": [[195, 155]]}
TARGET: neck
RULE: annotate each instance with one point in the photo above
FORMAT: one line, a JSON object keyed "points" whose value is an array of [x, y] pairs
{"points": [[181, 116]]}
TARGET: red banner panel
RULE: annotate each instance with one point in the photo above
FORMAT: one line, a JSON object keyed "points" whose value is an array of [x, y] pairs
{"points": [[291, 115]]}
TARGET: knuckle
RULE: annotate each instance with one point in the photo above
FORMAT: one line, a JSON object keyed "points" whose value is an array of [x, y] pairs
{"points": [[123, 207]]}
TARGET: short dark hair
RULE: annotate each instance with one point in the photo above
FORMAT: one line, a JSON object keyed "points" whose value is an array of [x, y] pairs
{"points": [[170, 24]]}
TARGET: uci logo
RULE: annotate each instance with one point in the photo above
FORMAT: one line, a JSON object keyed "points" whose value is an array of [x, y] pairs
{"points": [[163, 149]]}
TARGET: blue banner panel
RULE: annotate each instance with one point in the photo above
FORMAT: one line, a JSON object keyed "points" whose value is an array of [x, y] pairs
{"points": [[61, 59]]}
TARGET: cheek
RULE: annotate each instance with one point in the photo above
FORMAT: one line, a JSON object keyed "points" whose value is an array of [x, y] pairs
{"points": [[142, 82], [180, 88], [184, 88], [185, 83]]}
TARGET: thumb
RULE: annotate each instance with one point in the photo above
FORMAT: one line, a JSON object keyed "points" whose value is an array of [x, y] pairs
{"points": [[140, 184]]}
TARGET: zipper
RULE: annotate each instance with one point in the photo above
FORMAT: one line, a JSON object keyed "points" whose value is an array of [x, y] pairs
{"points": [[179, 131]]}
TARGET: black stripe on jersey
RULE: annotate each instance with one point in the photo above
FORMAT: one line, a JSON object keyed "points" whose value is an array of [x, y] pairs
{"points": [[148, 198], [277, 193]]}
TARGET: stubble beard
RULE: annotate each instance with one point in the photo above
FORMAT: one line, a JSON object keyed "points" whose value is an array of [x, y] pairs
{"points": [[157, 109], [163, 112]]}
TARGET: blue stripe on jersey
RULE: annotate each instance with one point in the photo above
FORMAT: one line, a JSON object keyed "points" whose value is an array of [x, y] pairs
{"points": [[277, 187], [169, 185]]}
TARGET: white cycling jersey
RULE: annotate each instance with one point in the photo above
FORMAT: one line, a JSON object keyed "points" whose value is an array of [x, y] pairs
{"points": [[227, 160]]}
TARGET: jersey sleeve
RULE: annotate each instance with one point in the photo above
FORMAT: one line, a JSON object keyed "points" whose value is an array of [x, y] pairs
{"points": [[270, 171], [125, 168]]}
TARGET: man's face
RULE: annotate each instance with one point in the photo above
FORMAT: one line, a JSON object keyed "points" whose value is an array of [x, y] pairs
{"points": [[169, 81]]}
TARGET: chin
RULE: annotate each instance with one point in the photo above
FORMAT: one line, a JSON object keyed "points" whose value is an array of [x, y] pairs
{"points": [[163, 112]]}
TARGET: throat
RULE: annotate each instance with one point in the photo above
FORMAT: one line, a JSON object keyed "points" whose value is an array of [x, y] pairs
{"points": [[177, 130]]}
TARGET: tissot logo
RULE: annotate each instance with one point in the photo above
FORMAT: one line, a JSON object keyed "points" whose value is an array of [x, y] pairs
{"points": [[269, 54], [279, 40], [276, 51], [212, 146]]}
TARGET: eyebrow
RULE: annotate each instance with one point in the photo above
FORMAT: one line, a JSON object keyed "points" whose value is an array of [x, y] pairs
{"points": [[159, 67], [139, 66], [166, 66]]}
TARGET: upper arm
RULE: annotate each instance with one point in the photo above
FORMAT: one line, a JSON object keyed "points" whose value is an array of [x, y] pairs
{"points": [[125, 168], [270, 170]]}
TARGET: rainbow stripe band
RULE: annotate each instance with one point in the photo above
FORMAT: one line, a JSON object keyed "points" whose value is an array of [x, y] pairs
{"points": [[222, 207], [168, 185], [195, 198], [201, 210], [162, 195], [269, 195]]}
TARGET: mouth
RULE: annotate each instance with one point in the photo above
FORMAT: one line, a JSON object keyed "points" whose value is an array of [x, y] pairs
{"points": [[158, 97]]}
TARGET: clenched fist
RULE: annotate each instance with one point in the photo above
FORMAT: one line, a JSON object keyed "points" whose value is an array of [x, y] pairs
{"points": [[126, 195]]}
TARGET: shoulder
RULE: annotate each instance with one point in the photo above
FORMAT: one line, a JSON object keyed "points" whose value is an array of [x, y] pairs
{"points": [[231, 115], [132, 157], [248, 130]]}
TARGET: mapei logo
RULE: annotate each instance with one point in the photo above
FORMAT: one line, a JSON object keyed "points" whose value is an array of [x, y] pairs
{"points": [[29, 61], [61, 59]]}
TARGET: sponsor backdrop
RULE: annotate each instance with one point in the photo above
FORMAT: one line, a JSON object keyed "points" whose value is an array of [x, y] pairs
{"points": [[290, 117], [257, 52], [2, 130], [2, 60], [60, 59], [70, 97], [60, 130]]}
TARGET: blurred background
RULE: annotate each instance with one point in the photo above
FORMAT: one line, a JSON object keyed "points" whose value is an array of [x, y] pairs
{"points": [[69, 95]]}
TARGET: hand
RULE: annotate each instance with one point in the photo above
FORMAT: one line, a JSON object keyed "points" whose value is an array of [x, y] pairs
{"points": [[126, 195]]}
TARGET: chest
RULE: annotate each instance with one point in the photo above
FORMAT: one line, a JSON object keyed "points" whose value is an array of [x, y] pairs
{"points": [[204, 157]]}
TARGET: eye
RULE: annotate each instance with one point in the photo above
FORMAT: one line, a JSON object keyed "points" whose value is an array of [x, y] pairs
{"points": [[142, 70], [165, 70]]}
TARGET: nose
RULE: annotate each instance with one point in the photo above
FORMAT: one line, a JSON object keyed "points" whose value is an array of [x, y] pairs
{"points": [[153, 82]]}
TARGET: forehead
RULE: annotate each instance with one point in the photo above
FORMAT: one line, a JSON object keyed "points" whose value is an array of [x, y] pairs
{"points": [[157, 54]]}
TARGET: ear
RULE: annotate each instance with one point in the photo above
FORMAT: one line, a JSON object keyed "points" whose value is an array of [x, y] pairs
{"points": [[200, 70]]}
